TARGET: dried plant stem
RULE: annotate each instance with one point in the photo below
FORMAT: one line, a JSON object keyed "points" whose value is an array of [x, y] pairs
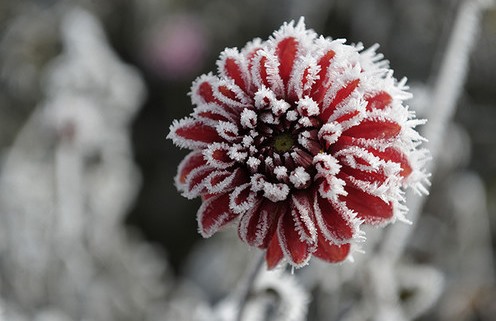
{"points": [[247, 286], [447, 89]]}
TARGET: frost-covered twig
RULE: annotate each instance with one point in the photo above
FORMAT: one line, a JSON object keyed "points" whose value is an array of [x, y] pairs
{"points": [[447, 90]]}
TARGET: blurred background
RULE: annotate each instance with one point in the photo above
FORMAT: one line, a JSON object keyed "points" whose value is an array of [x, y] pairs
{"points": [[91, 225]]}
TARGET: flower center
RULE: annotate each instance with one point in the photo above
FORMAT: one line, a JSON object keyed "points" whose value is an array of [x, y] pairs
{"points": [[283, 143]]}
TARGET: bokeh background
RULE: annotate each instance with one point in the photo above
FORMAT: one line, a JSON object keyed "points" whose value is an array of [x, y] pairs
{"points": [[88, 90]]}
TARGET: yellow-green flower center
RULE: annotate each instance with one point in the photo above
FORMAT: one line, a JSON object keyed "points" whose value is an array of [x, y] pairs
{"points": [[283, 143]]}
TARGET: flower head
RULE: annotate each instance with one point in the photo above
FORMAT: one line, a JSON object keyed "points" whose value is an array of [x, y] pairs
{"points": [[301, 139]]}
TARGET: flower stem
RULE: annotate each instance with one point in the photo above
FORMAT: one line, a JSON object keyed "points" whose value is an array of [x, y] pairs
{"points": [[247, 286]]}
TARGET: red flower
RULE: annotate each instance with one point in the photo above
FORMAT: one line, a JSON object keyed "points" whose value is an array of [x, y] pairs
{"points": [[302, 139]]}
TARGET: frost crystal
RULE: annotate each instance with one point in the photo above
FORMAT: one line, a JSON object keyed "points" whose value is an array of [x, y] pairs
{"points": [[302, 139]]}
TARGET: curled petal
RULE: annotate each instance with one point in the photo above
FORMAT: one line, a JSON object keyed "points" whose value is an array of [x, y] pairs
{"points": [[330, 133], [190, 162], [217, 155], [195, 181], [258, 224], [231, 96], [336, 224], [213, 214], [242, 198], [297, 251], [227, 131], [302, 212]]}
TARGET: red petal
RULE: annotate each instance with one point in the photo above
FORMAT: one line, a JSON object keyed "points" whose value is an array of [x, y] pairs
{"points": [[374, 129], [234, 71], [192, 133], [370, 208], [190, 162], [213, 214], [286, 51], [258, 225], [331, 222], [341, 95], [206, 92], [331, 253], [297, 251], [302, 212], [379, 100], [274, 253], [318, 90]]}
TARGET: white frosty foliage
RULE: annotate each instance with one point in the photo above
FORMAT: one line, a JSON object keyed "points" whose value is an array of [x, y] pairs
{"points": [[67, 183], [281, 292]]}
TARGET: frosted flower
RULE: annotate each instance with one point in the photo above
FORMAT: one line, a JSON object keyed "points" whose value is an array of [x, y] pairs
{"points": [[301, 139]]}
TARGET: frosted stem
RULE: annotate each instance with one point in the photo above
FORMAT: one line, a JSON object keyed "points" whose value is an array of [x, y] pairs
{"points": [[69, 190], [447, 89], [247, 287]]}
